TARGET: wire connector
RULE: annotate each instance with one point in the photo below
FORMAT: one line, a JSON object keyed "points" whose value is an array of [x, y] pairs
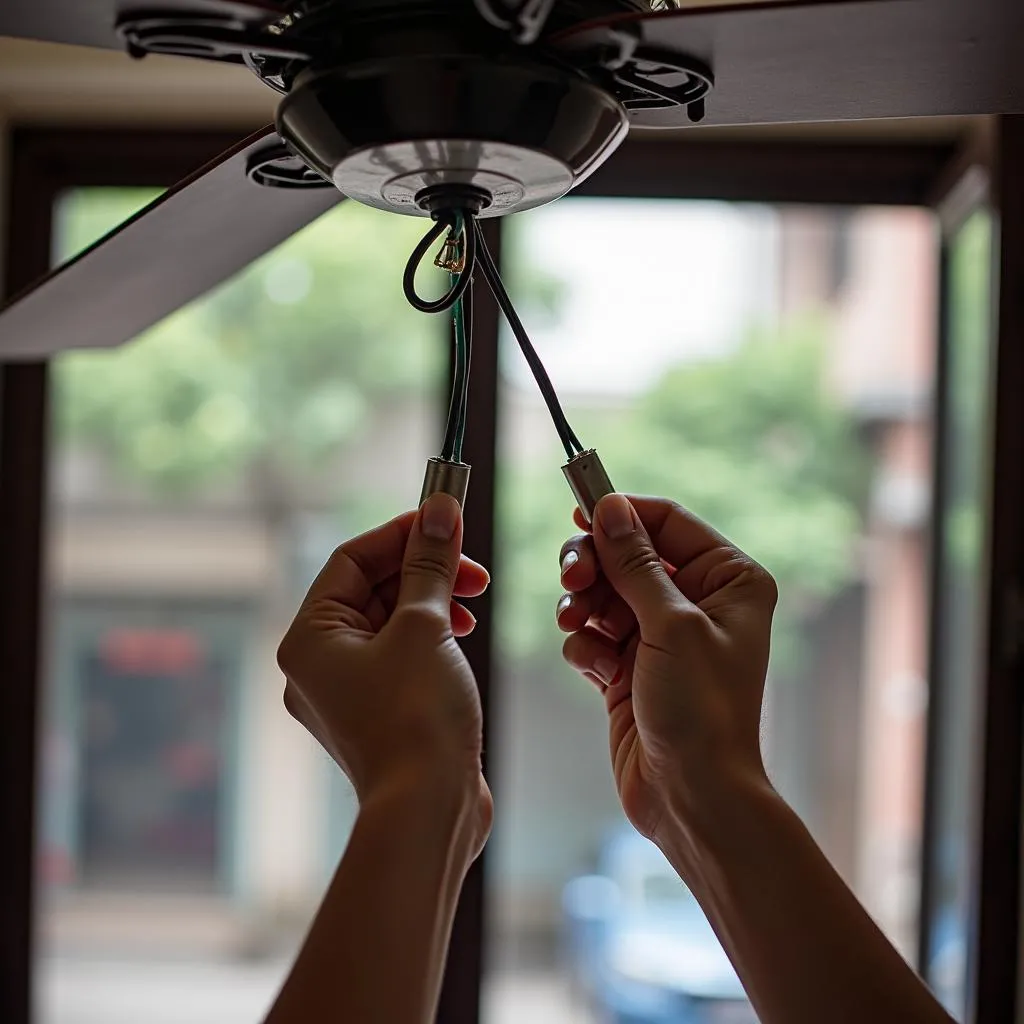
{"points": [[448, 478], [588, 480], [452, 256]]}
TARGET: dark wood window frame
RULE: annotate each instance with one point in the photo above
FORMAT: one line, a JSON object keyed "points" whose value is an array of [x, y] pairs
{"points": [[46, 162]]}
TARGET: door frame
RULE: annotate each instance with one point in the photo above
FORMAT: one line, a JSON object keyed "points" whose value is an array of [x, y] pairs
{"points": [[46, 161]]}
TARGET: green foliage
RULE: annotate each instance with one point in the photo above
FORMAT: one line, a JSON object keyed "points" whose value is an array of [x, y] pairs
{"points": [[970, 369], [84, 216], [281, 363], [280, 366], [752, 442]]}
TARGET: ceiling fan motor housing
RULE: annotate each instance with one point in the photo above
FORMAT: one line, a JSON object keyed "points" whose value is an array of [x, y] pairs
{"points": [[426, 111]]}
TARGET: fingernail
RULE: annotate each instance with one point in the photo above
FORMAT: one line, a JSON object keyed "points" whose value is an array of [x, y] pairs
{"points": [[607, 670], [615, 514], [440, 517], [570, 559], [564, 604]]}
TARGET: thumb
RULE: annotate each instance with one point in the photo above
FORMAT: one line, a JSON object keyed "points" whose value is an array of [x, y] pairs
{"points": [[432, 552], [630, 563]]}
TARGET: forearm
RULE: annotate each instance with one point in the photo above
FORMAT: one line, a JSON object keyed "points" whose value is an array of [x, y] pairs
{"points": [[377, 947], [803, 946]]}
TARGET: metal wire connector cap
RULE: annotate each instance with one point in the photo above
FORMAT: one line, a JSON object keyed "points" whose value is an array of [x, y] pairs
{"points": [[588, 480], [447, 477]]}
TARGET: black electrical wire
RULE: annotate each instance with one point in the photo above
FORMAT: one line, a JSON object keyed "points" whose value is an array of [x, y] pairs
{"points": [[487, 266], [467, 315], [447, 221], [451, 446]]}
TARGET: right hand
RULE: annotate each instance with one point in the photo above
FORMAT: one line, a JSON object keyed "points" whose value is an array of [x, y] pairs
{"points": [[673, 624]]}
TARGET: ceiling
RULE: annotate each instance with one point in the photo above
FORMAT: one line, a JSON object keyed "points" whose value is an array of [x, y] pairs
{"points": [[792, 61], [47, 83]]}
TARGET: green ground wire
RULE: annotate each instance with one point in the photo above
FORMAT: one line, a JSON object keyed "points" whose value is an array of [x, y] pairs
{"points": [[455, 428], [461, 374]]}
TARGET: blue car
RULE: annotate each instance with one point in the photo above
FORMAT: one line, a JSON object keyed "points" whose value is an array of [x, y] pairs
{"points": [[640, 948]]}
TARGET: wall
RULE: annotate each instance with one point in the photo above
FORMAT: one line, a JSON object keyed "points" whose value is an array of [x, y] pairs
{"points": [[41, 83]]}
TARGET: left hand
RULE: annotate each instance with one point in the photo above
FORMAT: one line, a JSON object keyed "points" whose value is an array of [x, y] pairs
{"points": [[373, 668]]}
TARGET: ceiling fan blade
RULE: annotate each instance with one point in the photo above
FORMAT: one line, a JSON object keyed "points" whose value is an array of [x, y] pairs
{"points": [[91, 22], [778, 61], [192, 238]]}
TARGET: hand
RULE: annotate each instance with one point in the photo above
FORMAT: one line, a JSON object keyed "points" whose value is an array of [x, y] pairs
{"points": [[673, 624], [373, 668]]}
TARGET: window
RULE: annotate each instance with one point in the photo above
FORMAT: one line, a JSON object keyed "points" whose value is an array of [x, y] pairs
{"points": [[201, 475], [707, 358], [962, 575], [153, 714]]}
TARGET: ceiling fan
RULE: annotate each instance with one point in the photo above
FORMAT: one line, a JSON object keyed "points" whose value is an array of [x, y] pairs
{"points": [[458, 110], [387, 101], [390, 102]]}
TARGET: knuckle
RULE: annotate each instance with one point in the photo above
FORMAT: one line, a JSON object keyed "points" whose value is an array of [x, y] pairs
{"points": [[639, 561], [286, 653], [419, 619], [289, 702], [687, 618], [570, 651], [677, 624], [430, 564], [766, 585]]}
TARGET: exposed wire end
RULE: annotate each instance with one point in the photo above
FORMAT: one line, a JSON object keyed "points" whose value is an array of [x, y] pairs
{"points": [[452, 256], [462, 238], [588, 481]]}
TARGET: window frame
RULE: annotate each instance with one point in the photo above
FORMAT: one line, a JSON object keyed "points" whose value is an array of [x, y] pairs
{"points": [[44, 162]]}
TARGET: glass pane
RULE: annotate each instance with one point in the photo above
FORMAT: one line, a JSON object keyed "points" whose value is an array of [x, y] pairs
{"points": [[772, 368], [962, 601], [201, 476]]}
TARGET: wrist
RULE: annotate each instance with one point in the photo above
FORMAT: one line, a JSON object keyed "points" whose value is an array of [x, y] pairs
{"points": [[430, 804], [706, 823]]}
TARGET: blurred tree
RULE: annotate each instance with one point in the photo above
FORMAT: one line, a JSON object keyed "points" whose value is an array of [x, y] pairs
{"points": [[970, 354], [280, 368], [752, 442], [276, 368]]}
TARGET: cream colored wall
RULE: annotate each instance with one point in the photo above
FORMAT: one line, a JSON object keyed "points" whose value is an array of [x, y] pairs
{"points": [[280, 821], [43, 83]]}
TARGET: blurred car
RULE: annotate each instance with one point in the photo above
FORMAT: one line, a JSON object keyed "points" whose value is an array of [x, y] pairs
{"points": [[639, 946], [948, 960]]}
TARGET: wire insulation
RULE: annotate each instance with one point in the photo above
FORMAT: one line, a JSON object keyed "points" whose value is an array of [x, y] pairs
{"points": [[467, 315], [455, 224], [451, 448], [463, 227], [569, 440]]}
